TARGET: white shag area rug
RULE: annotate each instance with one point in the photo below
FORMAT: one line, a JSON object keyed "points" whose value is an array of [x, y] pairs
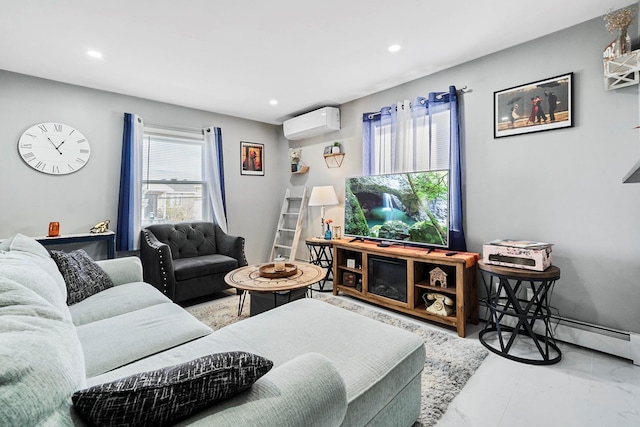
{"points": [[450, 361]]}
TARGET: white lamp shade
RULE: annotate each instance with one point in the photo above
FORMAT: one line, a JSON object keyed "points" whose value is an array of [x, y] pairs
{"points": [[323, 196]]}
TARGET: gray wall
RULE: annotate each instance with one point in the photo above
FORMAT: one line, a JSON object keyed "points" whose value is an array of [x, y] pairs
{"points": [[30, 199], [563, 186]]}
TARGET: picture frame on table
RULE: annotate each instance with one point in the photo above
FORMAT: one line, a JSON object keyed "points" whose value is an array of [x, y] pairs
{"points": [[251, 158], [534, 107], [327, 149]]}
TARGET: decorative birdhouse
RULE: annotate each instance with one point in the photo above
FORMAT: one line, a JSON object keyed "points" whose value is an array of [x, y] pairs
{"points": [[437, 277]]}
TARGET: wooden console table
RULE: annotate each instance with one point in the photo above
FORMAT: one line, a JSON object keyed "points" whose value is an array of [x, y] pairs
{"points": [[108, 236], [460, 271]]}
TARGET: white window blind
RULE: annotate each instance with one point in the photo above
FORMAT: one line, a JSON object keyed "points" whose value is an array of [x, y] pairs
{"points": [[173, 188]]}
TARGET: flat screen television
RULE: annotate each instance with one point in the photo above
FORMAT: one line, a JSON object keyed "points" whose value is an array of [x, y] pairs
{"points": [[410, 208]]}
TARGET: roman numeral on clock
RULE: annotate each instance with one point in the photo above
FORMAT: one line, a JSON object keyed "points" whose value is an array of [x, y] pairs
{"points": [[58, 127], [28, 156], [55, 169], [43, 128]]}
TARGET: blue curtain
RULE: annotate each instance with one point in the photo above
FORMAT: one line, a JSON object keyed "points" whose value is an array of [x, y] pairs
{"points": [[129, 217], [381, 148], [214, 175], [458, 241]]}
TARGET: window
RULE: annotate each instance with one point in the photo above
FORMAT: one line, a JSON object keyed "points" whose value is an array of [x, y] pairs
{"points": [[173, 187], [404, 141]]}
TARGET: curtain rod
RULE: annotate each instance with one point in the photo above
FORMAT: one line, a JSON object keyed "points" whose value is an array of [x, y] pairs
{"points": [[463, 89], [174, 128]]}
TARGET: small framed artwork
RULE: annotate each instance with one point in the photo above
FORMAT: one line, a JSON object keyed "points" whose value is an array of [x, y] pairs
{"points": [[327, 149], [534, 107], [252, 158]]}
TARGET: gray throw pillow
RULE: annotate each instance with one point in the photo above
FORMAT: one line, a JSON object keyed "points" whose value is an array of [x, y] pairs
{"points": [[168, 395], [81, 274]]}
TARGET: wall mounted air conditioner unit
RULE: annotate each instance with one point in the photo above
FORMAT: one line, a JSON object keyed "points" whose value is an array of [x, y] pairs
{"points": [[314, 123]]}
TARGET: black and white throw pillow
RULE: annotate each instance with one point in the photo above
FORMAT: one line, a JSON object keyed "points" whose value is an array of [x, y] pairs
{"points": [[81, 274], [165, 396]]}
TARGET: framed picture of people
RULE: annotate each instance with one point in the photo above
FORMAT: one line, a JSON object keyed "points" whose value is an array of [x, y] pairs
{"points": [[252, 158], [534, 107]]}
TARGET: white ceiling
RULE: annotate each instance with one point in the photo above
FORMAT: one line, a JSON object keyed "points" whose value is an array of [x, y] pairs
{"points": [[233, 57]]}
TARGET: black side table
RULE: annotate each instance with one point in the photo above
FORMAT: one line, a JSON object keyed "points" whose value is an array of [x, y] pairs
{"points": [[321, 254], [506, 307]]}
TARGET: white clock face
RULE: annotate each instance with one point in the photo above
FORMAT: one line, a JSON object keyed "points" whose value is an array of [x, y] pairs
{"points": [[54, 148]]}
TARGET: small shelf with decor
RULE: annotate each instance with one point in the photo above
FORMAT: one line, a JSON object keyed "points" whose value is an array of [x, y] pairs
{"points": [[621, 64], [622, 71], [297, 165], [301, 170], [351, 272], [334, 160]]}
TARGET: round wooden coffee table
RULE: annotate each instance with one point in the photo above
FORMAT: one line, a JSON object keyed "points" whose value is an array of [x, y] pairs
{"points": [[248, 279]]}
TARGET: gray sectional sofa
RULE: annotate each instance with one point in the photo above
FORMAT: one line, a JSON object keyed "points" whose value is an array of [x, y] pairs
{"points": [[331, 367]]}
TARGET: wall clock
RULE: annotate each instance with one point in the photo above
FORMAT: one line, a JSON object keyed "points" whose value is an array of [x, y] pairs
{"points": [[54, 148]]}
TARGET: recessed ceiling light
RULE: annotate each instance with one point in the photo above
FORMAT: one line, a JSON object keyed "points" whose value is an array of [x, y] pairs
{"points": [[394, 48], [273, 102], [94, 54]]}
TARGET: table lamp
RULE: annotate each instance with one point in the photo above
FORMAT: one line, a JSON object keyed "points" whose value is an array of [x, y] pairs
{"points": [[323, 196]]}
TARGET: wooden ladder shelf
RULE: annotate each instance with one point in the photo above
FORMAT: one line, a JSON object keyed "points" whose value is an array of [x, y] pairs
{"points": [[289, 227]]}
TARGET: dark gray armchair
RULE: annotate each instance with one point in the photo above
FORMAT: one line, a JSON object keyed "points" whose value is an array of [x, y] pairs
{"points": [[190, 259]]}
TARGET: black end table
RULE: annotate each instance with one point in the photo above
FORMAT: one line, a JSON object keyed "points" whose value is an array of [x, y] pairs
{"points": [[512, 317], [321, 254]]}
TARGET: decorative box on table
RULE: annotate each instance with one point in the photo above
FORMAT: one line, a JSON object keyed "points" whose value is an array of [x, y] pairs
{"points": [[523, 254], [348, 279]]}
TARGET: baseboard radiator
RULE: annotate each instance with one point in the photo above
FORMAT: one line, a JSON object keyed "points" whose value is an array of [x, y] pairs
{"points": [[606, 340]]}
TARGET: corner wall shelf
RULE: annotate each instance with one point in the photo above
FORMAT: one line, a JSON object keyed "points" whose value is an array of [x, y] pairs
{"points": [[303, 169], [334, 160], [622, 71]]}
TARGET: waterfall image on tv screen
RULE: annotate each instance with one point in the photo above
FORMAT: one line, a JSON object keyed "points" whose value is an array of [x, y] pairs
{"points": [[410, 207]]}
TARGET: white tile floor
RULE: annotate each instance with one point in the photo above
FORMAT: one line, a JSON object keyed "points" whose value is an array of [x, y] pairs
{"points": [[586, 388]]}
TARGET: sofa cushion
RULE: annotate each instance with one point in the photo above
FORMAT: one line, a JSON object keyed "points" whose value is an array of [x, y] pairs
{"points": [[81, 274], [22, 270], [41, 361], [119, 340], [115, 301], [167, 395], [28, 248], [206, 265]]}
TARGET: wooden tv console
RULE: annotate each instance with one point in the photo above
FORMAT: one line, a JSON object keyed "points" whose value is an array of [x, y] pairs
{"points": [[460, 269]]}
